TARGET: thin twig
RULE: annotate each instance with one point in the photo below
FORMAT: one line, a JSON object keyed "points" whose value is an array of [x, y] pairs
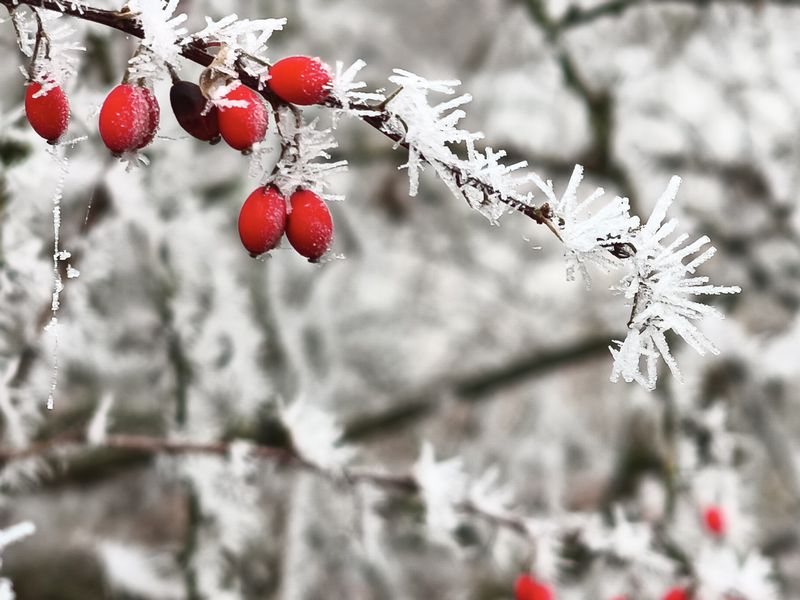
{"points": [[283, 457]]}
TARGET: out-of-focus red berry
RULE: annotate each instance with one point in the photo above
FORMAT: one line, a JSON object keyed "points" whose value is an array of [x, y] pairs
{"points": [[677, 593], [714, 520], [528, 588]]}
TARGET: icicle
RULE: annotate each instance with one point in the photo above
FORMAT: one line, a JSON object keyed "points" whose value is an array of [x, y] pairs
{"points": [[56, 152]]}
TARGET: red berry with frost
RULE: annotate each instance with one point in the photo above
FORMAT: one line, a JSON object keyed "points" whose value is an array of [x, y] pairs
{"points": [[300, 80], [677, 593], [127, 118], [189, 105], [262, 220], [243, 126], [48, 113], [528, 588], [714, 520], [309, 225], [153, 117]]}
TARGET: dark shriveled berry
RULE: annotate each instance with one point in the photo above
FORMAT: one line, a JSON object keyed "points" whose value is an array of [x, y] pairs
{"points": [[189, 104]]}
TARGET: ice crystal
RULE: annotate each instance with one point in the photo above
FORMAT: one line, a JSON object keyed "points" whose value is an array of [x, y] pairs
{"points": [[431, 133], [346, 91], [98, 427], [162, 33], [485, 169], [305, 160], [662, 286], [57, 58], [58, 284], [243, 39], [317, 435], [443, 486], [428, 130], [588, 235]]}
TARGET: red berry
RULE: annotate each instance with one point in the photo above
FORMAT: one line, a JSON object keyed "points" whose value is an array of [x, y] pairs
{"points": [[48, 113], [262, 220], [300, 80], [714, 520], [241, 127], [309, 227], [189, 104], [677, 593], [153, 117], [527, 588], [127, 117]]}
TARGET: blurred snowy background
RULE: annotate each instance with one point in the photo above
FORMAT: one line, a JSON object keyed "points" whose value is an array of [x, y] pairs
{"points": [[436, 326]]}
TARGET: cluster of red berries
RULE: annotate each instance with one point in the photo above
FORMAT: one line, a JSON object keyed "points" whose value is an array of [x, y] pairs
{"points": [[129, 119], [264, 219], [528, 588]]}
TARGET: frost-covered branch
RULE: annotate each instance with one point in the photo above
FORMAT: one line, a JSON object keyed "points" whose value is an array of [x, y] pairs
{"points": [[607, 236]]}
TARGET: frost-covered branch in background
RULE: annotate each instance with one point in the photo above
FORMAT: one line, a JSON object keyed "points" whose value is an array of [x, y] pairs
{"points": [[715, 533]]}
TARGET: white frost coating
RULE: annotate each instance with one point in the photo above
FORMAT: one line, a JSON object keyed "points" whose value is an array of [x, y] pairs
{"points": [[662, 287], [428, 130], [58, 285], [486, 168], [317, 435], [243, 39], [587, 234], [345, 89], [443, 486], [98, 426], [626, 540], [52, 68], [489, 495], [10, 536], [722, 574], [15, 533], [135, 570], [305, 159], [431, 132], [162, 32], [218, 95]]}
